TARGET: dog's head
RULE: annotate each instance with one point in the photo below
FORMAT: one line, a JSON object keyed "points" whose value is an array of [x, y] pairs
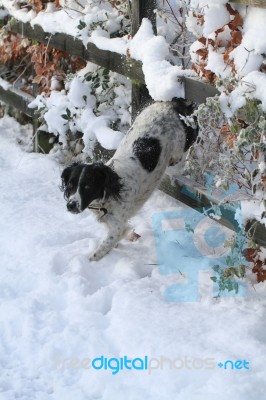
{"points": [[84, 183]]}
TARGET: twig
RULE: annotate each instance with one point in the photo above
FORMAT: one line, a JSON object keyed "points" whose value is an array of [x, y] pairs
{"points": [[45, 54], [25, 69]]}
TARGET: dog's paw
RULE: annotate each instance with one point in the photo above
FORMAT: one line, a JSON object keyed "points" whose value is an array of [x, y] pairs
{"points": [[94, 257], [97, 255]]}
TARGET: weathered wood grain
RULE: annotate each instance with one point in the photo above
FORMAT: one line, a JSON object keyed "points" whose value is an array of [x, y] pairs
{"points": [[196, 196], [143, 9], [104, 58], [252, 3], [18, 99], [198, 91], [195, 90]]}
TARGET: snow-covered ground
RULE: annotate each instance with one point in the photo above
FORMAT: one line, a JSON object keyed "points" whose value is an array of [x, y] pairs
{"points": [[58, 310]]}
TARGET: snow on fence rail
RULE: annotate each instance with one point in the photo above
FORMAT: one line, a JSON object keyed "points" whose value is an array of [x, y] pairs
{"points": [[16, 98], [195, 90], [188, 192]]}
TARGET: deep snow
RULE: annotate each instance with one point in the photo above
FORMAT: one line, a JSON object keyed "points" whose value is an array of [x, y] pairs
{"points": [[55, 304]]}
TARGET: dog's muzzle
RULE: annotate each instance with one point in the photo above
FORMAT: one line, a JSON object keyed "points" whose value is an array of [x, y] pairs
{"points": [[73, 207]]}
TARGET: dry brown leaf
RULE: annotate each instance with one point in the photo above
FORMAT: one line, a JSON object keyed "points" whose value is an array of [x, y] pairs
{"points": [[212, 42], [209, 75], [255, 154], [202, 40], [133, 236], [203, 53], [227, 54], [220, 30], [230, 9], [236, 22], [225, 129], [250, 254], [37, 79], [236, 38], [263, 180], [259, 271]]}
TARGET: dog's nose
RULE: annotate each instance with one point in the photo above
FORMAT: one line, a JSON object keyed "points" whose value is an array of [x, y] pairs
{"points": [[72, 206]]}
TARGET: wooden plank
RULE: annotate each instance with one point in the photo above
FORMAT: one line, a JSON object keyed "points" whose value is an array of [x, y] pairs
{"points": [[140, 98], [252, 3], [143, 9], [195, 90], [18, 99], [104, 58], [198, 91], [195, 196]]}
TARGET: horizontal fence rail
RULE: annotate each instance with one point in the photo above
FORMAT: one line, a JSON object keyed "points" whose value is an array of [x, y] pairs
{"points": [[252, 3], [195, 90], [18, 99], [196, 196], [74, 46]]}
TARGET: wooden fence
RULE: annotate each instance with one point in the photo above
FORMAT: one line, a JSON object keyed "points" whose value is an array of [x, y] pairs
{"points": [[187, 191]]}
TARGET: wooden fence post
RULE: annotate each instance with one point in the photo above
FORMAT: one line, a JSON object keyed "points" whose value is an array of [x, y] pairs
{"points": [[141, 9]]}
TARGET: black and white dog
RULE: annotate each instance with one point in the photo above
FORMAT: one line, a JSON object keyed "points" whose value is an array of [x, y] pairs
{"points": [[118, 189]]}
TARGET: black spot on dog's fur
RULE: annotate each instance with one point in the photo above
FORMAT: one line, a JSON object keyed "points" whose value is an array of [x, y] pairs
{"points": [[147, 150]]}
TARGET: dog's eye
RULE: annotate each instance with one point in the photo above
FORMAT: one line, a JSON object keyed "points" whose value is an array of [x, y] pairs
{"points": [[70, 185], [87, 186]]}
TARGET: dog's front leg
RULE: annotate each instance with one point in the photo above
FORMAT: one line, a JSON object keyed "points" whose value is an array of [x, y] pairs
{"points": [[115, 232]]}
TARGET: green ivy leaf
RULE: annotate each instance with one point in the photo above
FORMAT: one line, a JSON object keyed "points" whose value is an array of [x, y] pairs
{"points": [[81, 25]]}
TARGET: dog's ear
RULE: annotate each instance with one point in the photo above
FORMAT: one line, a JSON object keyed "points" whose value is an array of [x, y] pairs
{"points": [[112, 182], [65, 177]]}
